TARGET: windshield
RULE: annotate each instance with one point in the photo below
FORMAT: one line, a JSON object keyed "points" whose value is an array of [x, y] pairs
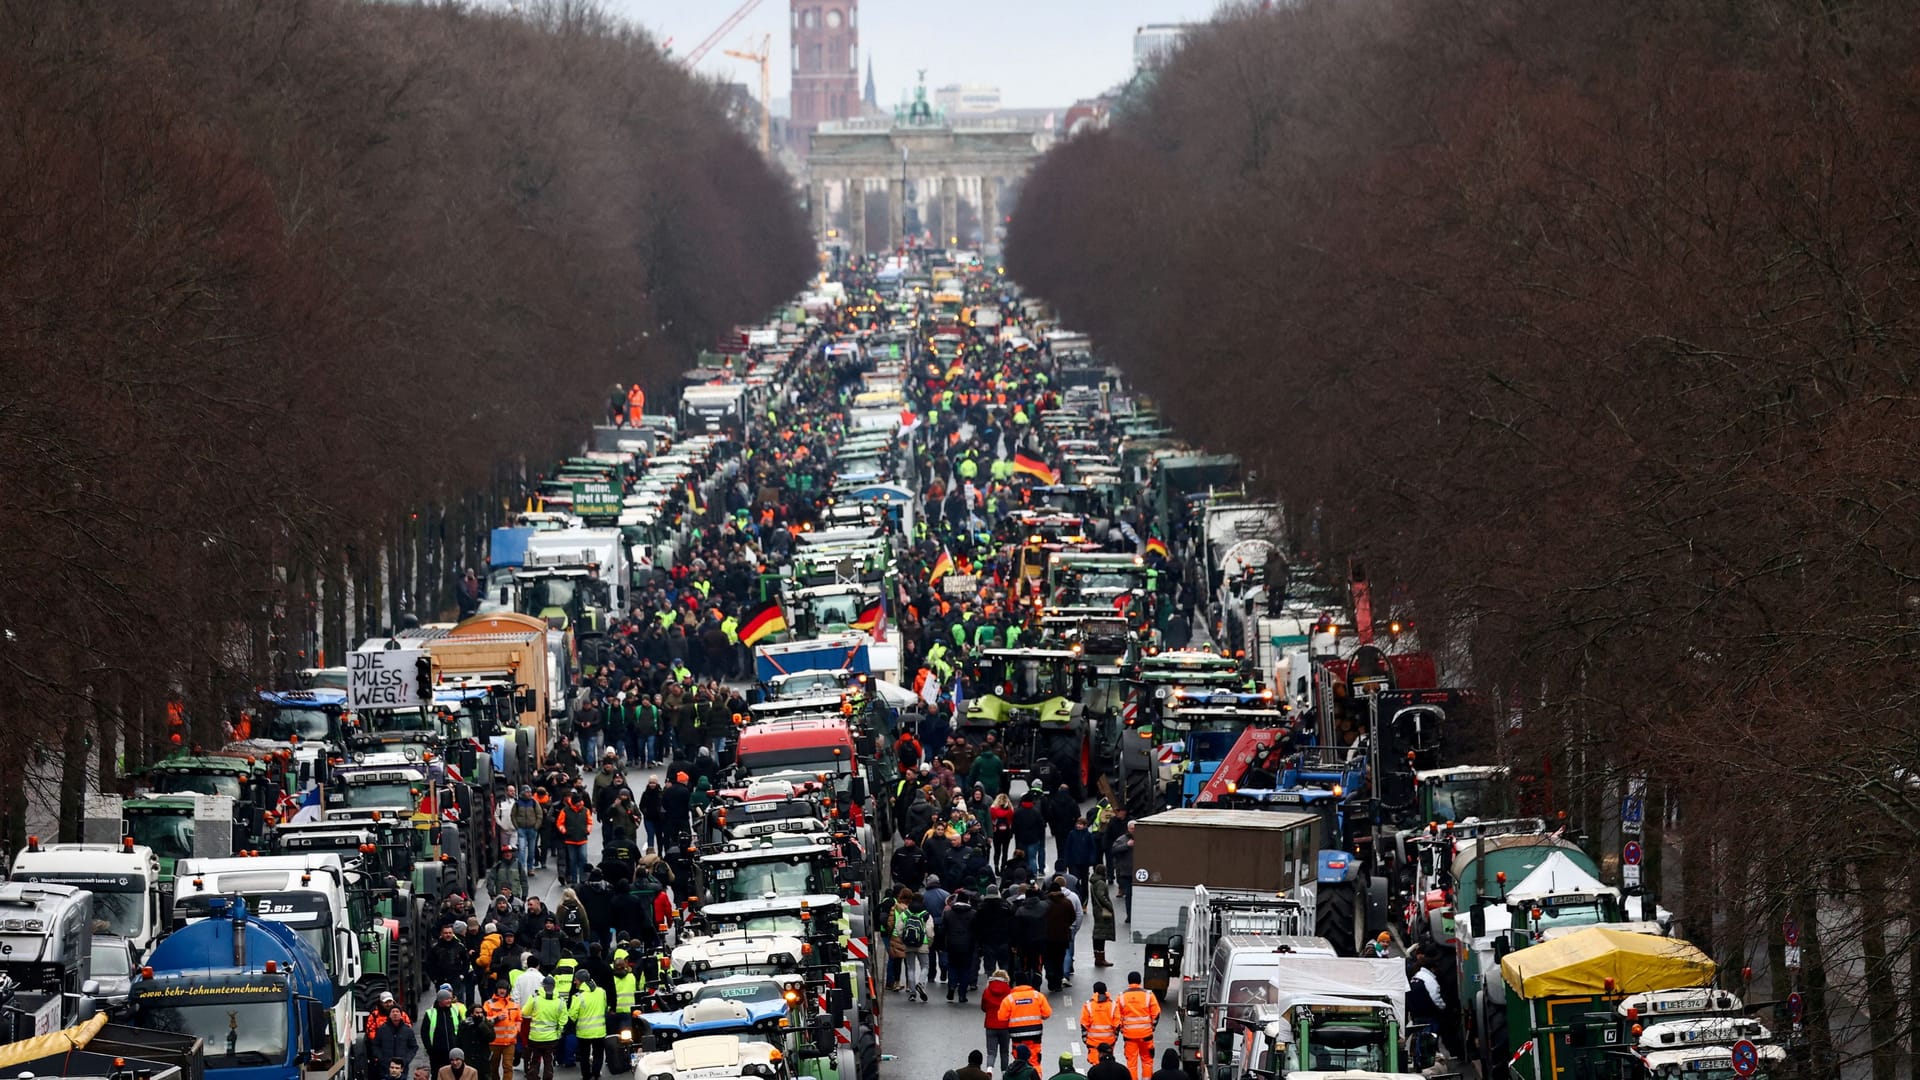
{"points": [[1031, 680], [542, 594], [396, 720], [750, 881], [1107, 581], [1457, 800], [771, 923], [306, 723], [168, 783], [236, 1033], [806, 683], [1103, 695], [383, 794], [834, 610], [110, 957], [169, 835], [121, 912]]}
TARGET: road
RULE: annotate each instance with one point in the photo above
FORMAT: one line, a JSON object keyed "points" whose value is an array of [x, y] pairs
{"points": [[925, 1040]]}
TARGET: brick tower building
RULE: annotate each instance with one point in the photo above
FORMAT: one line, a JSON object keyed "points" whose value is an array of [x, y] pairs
{"points": [[826, 65]]}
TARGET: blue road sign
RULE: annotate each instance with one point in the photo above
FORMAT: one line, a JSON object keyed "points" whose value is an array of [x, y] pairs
{"points": [[1630, 853], [1633, 808]]}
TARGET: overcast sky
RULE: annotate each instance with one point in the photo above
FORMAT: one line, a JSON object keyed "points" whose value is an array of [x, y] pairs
{"points": [[1039, 52]]}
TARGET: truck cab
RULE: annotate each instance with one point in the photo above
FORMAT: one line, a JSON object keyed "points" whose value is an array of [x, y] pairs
{"points": [[124, 879], [1319, 1017], [46, 949], [306, 893], [253, 990]]}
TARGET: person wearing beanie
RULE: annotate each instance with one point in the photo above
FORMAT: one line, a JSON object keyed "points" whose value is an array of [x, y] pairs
{"points": [[456, 1067], [1100, 1024], [1066, 1068]]}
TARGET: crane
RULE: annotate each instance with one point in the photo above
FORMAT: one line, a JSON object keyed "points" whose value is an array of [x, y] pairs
{"points": [[766, 87], [701, 50]]}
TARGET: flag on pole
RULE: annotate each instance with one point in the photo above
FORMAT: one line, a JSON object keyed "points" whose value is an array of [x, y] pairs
{"points": [[871, 616], [1035, 468], [1157, 546], [769, 620], [942, 566]]}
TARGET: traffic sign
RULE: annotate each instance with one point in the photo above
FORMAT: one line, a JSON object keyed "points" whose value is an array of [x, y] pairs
{"points": [[1796, 1005], [1790, 930], [1630, 875], [1634, 809], [1630, 853], [1746, 1058], [1792, 956]]}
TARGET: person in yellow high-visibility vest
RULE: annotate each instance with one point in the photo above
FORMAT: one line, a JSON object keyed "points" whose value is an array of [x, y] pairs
{"points": [[589, 1014], [546, 1022]]}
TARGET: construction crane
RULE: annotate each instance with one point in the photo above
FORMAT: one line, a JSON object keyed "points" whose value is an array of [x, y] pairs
{"points": [[701, 50], [766, 88]]}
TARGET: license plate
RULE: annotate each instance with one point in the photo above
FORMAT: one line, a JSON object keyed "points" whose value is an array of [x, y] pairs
{"points": [[723, 873]]}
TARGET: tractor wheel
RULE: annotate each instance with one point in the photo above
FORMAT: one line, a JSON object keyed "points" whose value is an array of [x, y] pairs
{"points": [[867, 1049], [846, 1064], [1337, 917], [366, 992]]}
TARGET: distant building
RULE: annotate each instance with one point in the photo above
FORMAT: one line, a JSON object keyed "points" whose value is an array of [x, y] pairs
{"points": [[826, 64], [1155, 41], [966, 100], [871, 98]]}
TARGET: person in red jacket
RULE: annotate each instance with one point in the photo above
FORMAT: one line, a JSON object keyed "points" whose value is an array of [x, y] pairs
{"points": [[998, 1042]]}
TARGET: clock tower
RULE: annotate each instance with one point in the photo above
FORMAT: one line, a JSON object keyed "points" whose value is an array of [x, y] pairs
{"points": [[826, 64]]}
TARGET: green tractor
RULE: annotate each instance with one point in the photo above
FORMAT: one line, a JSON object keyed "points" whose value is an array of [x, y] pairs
{"points": [[1029, 699]]}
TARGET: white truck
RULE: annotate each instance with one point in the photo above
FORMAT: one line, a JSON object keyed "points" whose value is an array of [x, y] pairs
{"points": [[307, 892], [1229, 936], [46, 949], [571, 561], [124, 879]]}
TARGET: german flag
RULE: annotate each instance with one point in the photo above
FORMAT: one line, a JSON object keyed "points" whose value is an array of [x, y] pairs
{"points": [[1036, 468], [871, 617], [1157, 546], [942, 566], [763, 623]]}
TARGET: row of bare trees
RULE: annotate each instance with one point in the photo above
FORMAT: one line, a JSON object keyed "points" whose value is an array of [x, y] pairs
{"points": [[291, 294], [1588, 325]]}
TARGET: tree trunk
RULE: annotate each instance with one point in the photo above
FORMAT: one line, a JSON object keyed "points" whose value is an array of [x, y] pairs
{"points": [[1882, 1005]]}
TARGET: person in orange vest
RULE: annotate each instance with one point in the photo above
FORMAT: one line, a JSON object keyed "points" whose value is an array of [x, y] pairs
{"points": [[504, 1015], [636, 404], [1024, 1011], [1099, 1024], [1139, 1015]]}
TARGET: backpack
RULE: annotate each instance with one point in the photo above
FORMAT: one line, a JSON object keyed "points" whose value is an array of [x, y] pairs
{"points": [[913, 931]]}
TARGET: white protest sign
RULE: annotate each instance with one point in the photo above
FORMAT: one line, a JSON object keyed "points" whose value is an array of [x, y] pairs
{"points": [[384, 679]]}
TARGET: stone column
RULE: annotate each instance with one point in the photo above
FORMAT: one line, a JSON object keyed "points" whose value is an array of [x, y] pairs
{"points": [[989, 214], [949, 210], [857, 217], [817, 207], [896, 212]]}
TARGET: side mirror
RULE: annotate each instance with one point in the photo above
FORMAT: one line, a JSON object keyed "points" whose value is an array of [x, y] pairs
{"points": [[1477, 921], [857, 789], [529, 700], [90, 988]]}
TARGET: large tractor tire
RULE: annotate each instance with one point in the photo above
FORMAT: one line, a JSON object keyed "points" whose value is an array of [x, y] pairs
{"points": [[846, 1065], [1490, 1036], [1339, 918]]}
